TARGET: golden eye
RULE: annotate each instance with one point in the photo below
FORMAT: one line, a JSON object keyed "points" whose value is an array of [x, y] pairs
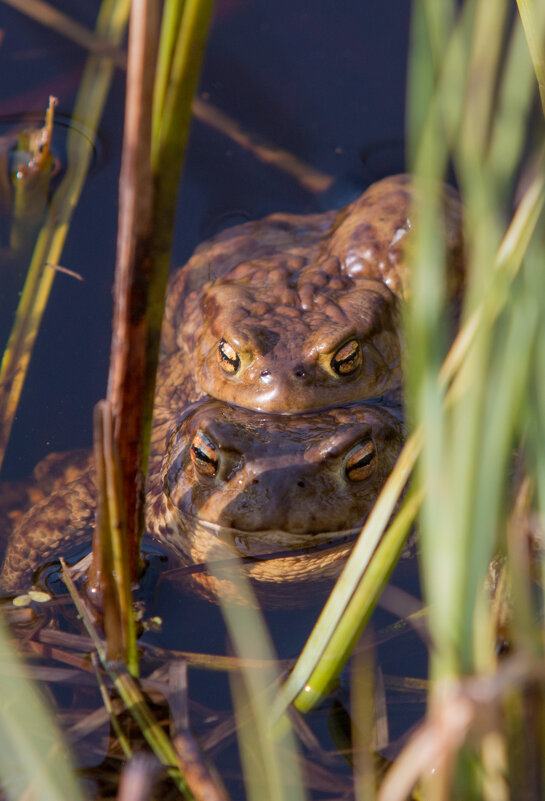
{"points": [[228, 357], [204, 454], [348, 358], [361, 461]]}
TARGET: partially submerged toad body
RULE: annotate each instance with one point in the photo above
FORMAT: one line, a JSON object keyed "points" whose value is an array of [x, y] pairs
{"points": [[236, 479], [296, 319]]}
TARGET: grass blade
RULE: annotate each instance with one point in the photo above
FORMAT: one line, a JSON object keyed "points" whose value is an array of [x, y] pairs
{"points": [[347, 583], [33, 760], [268, 747], [358, 611]]}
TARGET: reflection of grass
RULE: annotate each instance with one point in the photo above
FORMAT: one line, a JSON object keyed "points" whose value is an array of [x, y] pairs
{"points": [[469, 413], [94, 87]]}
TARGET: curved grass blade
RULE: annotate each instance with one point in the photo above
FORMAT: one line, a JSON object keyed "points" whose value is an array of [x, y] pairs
{"points": [[360, 607], [354, 569]]}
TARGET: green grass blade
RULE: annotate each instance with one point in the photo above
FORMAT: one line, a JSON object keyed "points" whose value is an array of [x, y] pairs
{"points": [[348, 582], [33, 755], [358, 611], [513, 106], [268, 747], [175, 111], [170, 25], [532, 15]]}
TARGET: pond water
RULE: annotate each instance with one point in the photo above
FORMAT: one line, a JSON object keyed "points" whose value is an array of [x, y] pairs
{"points": [[326, 82]]}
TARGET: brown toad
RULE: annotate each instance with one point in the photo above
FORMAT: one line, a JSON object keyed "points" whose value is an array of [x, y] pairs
{"points": [[294, 313], [234, 480]]}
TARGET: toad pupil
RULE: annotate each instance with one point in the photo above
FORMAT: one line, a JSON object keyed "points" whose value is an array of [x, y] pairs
{"points": [[347, 359], [203, 455], [229, 358], [361, 462]]}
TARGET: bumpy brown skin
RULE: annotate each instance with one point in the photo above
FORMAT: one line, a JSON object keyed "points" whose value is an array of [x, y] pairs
{"points": [[53, 525], [276, 485], [281, 484], [372, 236], [58, 504], [284, 295]]}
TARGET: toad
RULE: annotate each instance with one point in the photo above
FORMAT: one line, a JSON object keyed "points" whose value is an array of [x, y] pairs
{"points": [[233, 480], [283, 317], [295, 313]]}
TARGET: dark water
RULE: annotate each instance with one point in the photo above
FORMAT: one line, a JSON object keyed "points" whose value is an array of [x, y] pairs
{"points": [[324, 80]]}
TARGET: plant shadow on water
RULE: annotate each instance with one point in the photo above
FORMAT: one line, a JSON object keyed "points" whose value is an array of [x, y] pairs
{"points": [[328, 87]]}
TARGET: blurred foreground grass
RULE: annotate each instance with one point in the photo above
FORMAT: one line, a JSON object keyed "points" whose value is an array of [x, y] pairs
{"points": [[477, 413], [473, 106]]}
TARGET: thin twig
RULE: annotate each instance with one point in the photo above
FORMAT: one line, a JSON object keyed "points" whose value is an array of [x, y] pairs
{"points": [[306, 175], [61, 23]]}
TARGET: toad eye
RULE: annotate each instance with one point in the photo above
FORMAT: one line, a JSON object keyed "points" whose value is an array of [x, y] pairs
{"points": [[361, 461], [204, 454], [348, 358], [228, 357]]}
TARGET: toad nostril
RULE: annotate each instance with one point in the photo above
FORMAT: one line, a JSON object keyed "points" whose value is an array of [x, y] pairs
{"points": [[301, 484], [299, 373]]}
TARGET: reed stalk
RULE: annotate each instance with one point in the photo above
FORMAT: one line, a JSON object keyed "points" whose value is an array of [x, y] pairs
{"points": [[149, 179], [118, 419]]}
